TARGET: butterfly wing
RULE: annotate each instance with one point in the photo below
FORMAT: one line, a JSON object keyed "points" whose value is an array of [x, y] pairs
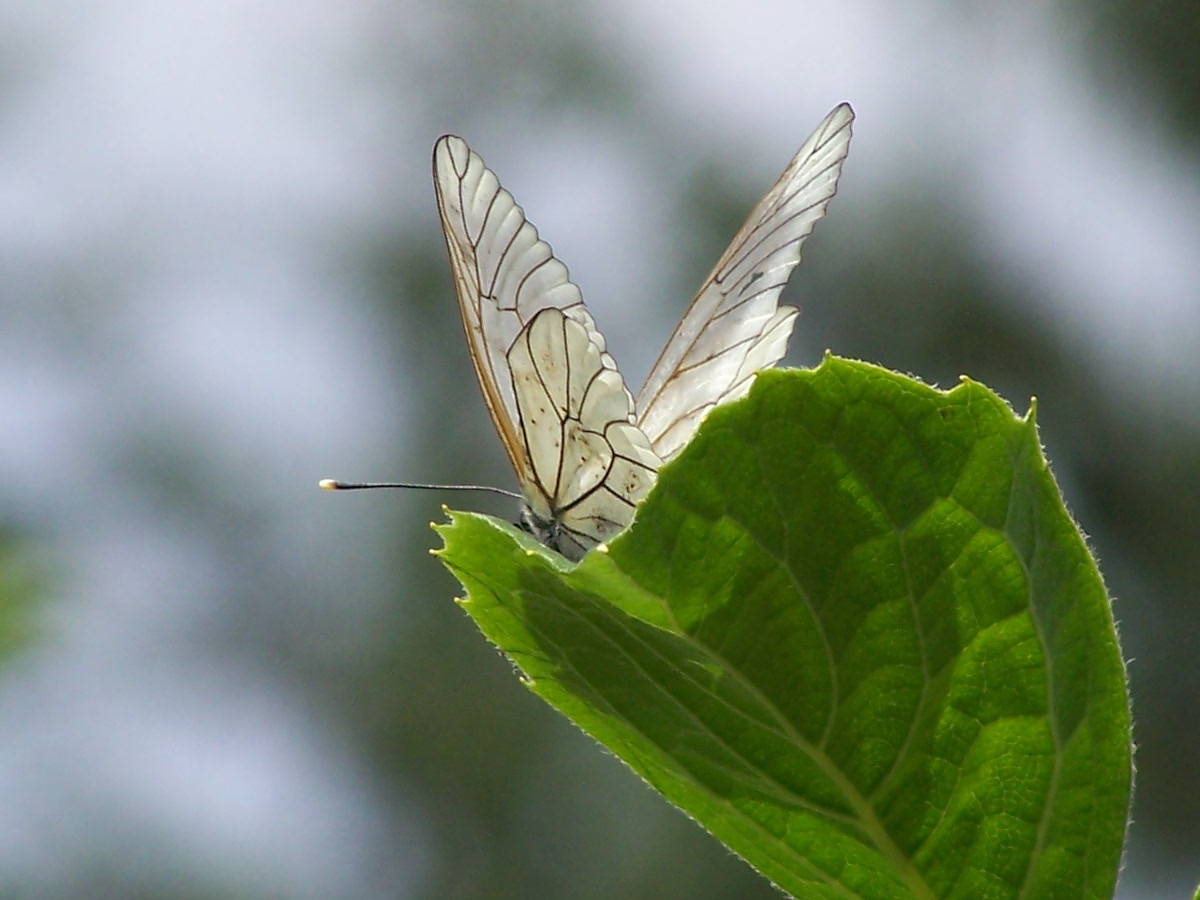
{"points": [[503, 275], [588, 463], [734, 326], [563, 412]]}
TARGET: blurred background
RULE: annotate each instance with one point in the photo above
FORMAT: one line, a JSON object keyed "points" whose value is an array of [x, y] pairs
{"points": [[222, 278]]}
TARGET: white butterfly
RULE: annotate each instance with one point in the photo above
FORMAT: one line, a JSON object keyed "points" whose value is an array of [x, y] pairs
{"points": [[583, 451]]}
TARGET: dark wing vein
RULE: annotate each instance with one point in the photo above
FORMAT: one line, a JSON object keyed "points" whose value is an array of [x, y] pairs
{"points": [[747, 299]]}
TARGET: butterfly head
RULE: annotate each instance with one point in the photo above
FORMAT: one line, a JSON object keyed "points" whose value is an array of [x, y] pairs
{"points": [[550, 531]]}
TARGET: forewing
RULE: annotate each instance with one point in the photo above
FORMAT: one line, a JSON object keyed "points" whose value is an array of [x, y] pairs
{"points": [[503, 275], [735, 326], [588, 463]]}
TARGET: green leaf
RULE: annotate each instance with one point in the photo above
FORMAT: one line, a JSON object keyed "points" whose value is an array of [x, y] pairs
{"points": [[854, 633]]}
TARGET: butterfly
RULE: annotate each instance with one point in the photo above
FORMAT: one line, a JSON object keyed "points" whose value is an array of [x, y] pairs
{"points": [[584, 450]]}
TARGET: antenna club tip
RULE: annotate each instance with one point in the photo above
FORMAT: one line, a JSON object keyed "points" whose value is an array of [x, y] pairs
{"points": [[327, 484]]}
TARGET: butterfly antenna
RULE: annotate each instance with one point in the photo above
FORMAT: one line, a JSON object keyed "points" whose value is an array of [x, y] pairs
{"points": [[329, 484]]}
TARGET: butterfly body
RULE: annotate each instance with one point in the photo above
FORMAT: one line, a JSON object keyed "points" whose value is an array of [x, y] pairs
{"points": [[584, 451]]}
